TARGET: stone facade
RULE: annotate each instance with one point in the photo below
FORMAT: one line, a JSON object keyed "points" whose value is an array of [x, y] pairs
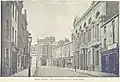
{"points": [[13, 22], [86, 35], [63, 55], [44, 50]]}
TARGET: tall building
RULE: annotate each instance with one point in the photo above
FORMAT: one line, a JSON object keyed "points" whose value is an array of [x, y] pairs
{"points": [[44, 49], [87, 36], [9, 12], [13, 37], [110, 45]]}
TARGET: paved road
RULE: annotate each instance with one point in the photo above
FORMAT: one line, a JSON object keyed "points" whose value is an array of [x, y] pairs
{"points": [[44, 71]]}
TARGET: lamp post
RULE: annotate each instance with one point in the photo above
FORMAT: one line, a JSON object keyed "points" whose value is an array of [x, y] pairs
{"points": [[29, 69]]}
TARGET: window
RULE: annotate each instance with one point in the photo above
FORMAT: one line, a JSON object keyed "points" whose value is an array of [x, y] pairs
{"points": [[80, 28], [113, 29], [105, 42], [84, 38], [16, 15], [7, 29], [89, 21], [18, 60], [97, 30], [90, 34], [74, 21], [13, 33], [89, 58], [76, 31], [104, 29], [84, 24], [97, 14], [15, 37], [13, 10], [97, 57], [93, 31], [6, 57]]}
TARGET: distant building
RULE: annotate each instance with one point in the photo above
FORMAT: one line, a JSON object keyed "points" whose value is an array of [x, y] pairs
{"points": [[62, 54], [44, 49]]}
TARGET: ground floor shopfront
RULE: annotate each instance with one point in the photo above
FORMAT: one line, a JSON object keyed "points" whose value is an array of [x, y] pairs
{"points": [[67, 62], [110, 61]]}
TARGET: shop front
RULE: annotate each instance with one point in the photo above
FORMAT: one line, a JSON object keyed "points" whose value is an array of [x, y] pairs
{"points": [[110, 61]]}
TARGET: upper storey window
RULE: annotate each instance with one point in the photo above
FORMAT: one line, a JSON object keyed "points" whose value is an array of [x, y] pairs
{"points": [[84, 24], [97, 14], [80, 28], [89, 21]]}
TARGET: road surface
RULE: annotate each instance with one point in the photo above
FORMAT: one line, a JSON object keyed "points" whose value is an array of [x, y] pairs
{"points": [[45, 71]]}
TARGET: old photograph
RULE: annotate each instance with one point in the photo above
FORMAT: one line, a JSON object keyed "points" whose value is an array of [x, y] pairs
{"points": [[59, 38]]}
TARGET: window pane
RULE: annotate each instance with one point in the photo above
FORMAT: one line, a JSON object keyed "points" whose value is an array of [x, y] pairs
{"points": [[13, 33]]}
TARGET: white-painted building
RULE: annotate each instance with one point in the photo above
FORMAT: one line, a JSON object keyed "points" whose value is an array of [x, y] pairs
{"points": [[86, 34]]}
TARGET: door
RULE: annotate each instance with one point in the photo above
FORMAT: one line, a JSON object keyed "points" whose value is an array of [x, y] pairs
{"points": [[104, 63], [14, 62], [112, 63]]}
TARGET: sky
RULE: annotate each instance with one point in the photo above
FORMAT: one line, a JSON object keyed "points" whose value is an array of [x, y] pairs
{"points": [[53, 17]]}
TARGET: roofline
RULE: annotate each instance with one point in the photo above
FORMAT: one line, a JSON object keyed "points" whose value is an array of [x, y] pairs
{"points": [[86, 12], [110, 19]]}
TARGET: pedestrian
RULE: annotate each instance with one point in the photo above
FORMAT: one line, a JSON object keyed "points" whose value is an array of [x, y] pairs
{"points": [[75, 68]]}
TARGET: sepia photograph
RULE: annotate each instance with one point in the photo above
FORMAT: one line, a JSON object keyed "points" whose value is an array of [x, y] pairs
{"points": [[59, 38]]}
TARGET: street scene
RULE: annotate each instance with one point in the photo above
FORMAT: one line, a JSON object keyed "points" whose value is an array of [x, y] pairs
{"points": [[54, 38]]}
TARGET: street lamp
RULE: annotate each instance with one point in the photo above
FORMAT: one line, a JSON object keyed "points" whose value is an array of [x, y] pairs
{"points": [[29, 69]]}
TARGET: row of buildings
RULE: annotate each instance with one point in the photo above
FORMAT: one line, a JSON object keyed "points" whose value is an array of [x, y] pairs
{"points": [[94, 44], [95, 38], [54, 53], [15, 47]]}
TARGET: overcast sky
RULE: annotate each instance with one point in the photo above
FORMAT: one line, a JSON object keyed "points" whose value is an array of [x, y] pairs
{"points": [[53, 18]]}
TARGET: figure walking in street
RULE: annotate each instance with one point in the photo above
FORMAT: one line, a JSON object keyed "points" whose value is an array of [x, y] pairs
{"points": [[75, 68]]}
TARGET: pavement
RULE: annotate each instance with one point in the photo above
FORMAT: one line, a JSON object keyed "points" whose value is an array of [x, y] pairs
{"points": [[24, 73], [92, 73]]}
